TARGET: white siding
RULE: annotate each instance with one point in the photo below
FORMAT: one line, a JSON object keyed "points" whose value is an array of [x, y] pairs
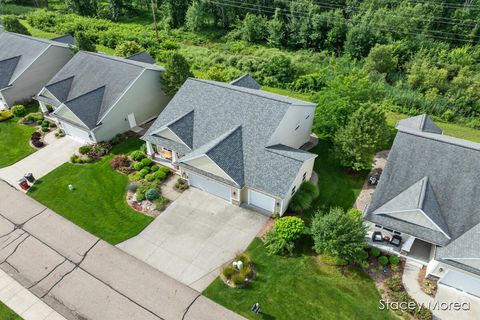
{"points": [[37, 75], [306, 168], [145, 98], [295, 128]]}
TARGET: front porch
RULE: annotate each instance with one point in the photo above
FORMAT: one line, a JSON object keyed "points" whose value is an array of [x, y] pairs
{"points": [[163, 156]]}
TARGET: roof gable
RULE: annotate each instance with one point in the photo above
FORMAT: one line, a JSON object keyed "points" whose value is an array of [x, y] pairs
{"points": [[142, 57], [87, 106], [246, 81], [67, 39], [60, 89], [422, 123], [183, 128], [7, 68]]}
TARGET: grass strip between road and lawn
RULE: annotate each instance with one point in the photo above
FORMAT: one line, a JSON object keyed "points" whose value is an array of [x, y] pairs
{"points": [[98, 203], [7, 314]]}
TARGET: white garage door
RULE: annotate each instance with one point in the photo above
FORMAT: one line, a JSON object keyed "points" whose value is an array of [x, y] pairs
{"points": [[461, 282], [209, 186], [76, 133], [260, 200]]}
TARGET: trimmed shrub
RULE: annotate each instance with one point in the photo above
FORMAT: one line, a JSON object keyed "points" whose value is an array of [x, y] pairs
{"points": [[146, 161], [364, 255], [19, 111], [383, 260], [394, 260], [150, 177], [137, 155], [152, 194], [5, 115], [181, 184], [238, 279], [120, 161], [228, 272], [139, 196], [154, 168], [160, 175], [289, 228], [45, 124], [143, 172], [161, 203], [83, 150], [375, 252], [138, 166], [45, 129], [134, 176]]}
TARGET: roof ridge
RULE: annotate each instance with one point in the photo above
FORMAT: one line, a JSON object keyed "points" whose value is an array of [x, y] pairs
{"points": [[269, 149], [467, 144], [423, 191], [122, 60], [41, 40], [235, 88]]}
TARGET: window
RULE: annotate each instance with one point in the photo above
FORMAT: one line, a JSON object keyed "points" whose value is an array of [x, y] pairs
{"points": [[304, 176], [294, 189]]}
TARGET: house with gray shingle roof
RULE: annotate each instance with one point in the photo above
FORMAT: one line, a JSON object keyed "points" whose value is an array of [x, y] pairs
{"points": [[27, 64], [429, 197], [95, 96], [239, 143]]}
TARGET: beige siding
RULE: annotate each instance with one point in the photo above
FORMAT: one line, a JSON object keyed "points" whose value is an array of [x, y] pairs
{"points": [[145, 98], [167, 133], [206, 164], [287, 132], [37, 75], [66, 113]]}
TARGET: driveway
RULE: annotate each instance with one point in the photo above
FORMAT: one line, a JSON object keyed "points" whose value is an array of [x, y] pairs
{"points": [[83, 277], [194, 237], [45, 160]]}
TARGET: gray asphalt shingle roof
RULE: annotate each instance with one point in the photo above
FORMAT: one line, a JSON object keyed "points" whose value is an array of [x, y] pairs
{"points": [[67, 39], [233, 126], [453, 170], [85, 73], [142, 57], [246, 81], [422, 123], [27, 48]]}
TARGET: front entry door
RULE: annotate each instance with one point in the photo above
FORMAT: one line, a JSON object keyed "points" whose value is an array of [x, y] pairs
{"points": [[131, 120]]}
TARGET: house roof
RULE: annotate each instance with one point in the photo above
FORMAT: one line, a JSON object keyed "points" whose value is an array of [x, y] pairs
{"points": [[67, 39], [142, 57], [233, 125], [246, 81], [77, 83], [17, 52], [422, 123], [451, 170]]}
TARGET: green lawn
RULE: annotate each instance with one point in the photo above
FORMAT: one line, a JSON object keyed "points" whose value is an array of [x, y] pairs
{"points": [[300, 287], [14, 142], [98, 204], [7, 314]]}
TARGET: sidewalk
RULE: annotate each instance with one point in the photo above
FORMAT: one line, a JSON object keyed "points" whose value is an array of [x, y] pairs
{"points": [[23, 302]]}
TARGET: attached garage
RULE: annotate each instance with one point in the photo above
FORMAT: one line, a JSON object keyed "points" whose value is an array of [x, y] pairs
{"points": [[461, 282], [209, 186], [261, 201], [76, 133]]}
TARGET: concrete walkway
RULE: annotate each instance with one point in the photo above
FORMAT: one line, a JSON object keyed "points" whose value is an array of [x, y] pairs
{"points": [[83, 277], [23, 302], [444, 294], [42, 162]]}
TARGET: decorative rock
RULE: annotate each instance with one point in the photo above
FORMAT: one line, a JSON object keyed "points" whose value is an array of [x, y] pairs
{"points": [[71, 187]]}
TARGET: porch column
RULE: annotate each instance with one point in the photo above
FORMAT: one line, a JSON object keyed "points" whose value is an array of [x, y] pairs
{"points": [[43, 107], [174, 156], [150, 151]]}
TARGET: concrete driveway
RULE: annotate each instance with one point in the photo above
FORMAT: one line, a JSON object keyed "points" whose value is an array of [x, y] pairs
{"points": [[82, 277], [45, 160], [195, 237]]}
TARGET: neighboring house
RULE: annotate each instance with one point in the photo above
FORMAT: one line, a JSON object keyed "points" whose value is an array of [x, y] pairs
{"points": [[27, 64], [429, 195], [95, 96], [237, 143]]}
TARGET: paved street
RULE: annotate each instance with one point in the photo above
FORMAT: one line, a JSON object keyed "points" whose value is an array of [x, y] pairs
{"points": [[194, 237], [45, 160], [83, 277]]}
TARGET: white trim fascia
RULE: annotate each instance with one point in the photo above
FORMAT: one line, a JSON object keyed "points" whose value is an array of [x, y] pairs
{"points": [[31, 63], [205, 155], [461, 258], [121, 96], [265, 193], [63, 106], [46, 90]]}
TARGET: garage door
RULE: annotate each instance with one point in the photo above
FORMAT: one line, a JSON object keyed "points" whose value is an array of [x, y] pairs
{"points": [[260, 200], [209, 186], [76, 133], [461, 282]]}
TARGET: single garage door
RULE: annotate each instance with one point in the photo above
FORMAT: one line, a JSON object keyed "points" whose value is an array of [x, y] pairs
{"points": [[209, 186], [261, 201], [461, 282], [76, 133]]}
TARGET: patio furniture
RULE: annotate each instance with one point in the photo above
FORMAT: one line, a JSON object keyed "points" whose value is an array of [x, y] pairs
{"points": [[396, 240], [386, 238], [377, 236]]}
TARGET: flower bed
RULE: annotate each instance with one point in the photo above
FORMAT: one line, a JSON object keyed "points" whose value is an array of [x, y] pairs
{"points": [[91, 153], [240, 273]]}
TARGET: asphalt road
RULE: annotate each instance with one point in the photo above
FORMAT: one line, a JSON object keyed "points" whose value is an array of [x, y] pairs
{"points": [[83, 277]]}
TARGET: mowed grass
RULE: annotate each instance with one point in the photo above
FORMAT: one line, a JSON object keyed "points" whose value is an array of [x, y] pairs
{"points": [[14, 142], [300, 287], [7, 314], [98, 202]]}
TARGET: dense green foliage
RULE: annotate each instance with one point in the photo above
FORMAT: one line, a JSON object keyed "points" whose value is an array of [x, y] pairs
{"points": [[128, 48], [304, 197], [177, 72], [281, 239], [339, 234], [84, 42], [12, 24]]}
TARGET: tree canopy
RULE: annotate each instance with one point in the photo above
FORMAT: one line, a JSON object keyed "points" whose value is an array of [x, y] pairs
{"points": [[177, 72]]}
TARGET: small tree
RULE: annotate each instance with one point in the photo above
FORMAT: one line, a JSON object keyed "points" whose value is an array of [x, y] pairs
{"points": [[127, 48], [12, 24], [381, 59], [19, 111], [276, 30], [283, 236], [196, 17], [339, 234], [84, 42], [356, 143], [177, 72]]}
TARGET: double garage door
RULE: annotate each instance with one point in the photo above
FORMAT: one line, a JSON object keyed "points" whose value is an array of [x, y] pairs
{"points": [[76, 133], [209, 186], [461, 282]]}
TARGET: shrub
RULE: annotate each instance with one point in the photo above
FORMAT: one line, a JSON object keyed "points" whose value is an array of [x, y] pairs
{"points": [[228, 272], [161, 203], [154, 168], [394, 283], [138, 166], [19, 111], [137, 155], [74, 158], [303, 198], [132, 187], [275, 244], [45, 129], [134, 176], [117, 139], [375, 252], [383, 260], [83, 150], [45, 124], [160, 175], [150, 177], [363, 255], [394, 260], [139, 196], [146, 161], [152, 194], [289, 228], [181, 184], [143, 172], [37, 143], [120, 161], [5, 115], [238, 279]]}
